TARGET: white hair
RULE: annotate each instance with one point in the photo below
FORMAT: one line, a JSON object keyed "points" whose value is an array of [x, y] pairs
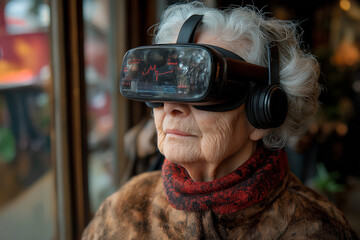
{"points": [[248, 31]]}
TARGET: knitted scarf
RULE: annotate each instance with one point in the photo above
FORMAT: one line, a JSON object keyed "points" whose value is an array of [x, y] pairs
{"points": [[251, 183]]}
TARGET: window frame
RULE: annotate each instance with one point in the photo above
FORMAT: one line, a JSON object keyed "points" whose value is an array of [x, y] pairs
{"points": [[70, 123]]}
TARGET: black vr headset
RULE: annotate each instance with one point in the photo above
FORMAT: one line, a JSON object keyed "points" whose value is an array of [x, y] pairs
{"points": [[198, 73]]}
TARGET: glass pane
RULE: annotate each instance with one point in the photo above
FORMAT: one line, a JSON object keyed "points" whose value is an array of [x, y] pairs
{"points": [[99, 89], [27, 179]]}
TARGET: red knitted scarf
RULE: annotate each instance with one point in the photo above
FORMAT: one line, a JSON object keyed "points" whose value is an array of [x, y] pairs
{"points": [[249, 184]]}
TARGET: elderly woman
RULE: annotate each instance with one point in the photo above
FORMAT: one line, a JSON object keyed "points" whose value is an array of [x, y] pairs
{"points": [[228, 88]]}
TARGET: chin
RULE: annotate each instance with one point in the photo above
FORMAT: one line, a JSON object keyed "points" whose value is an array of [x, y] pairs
{"points": [[180, 155]]}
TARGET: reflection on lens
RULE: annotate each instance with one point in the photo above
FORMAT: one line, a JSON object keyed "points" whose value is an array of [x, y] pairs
{"points": [[166, 73]]}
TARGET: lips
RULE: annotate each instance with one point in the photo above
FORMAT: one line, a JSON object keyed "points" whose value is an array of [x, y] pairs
{"points": [[177, 132]]}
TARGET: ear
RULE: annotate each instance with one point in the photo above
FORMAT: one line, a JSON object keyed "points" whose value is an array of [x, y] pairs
{"points": [[257, 134]]}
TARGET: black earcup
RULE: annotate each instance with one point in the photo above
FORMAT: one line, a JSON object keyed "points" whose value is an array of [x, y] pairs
{"points": [[267, 106]]}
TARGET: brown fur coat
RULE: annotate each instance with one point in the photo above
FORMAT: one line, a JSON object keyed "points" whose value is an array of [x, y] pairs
{"points": [[140, 210]]}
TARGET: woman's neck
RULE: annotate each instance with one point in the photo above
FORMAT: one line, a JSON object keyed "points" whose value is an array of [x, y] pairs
{"points": [[206, 171]]}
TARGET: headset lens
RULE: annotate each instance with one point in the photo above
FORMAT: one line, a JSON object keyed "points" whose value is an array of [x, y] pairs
{"points": [[166, 73]]}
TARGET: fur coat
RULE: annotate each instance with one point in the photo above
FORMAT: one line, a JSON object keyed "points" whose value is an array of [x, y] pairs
{"points": [[260, 200]]}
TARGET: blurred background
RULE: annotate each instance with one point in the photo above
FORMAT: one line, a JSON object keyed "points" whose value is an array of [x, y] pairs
{"points": [[68, 139]]}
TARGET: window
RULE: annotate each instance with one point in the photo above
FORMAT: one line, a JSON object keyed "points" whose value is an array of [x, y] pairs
{"points": [[27, 176]]}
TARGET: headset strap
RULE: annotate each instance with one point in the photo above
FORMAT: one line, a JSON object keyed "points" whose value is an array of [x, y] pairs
{"points": [[273, 64], [188, 29]]}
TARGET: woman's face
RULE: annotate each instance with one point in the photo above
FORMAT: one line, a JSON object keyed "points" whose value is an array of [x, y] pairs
{"points": [[187, 135]]}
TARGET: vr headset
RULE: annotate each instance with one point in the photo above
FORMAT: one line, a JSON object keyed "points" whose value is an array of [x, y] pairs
{"points": [[208, 77]]}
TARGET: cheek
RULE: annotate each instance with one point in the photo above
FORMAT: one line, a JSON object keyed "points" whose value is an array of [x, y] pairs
{"points": [[159, 119], [224, 136], [217, 133], [217, 136], [160, 141]]}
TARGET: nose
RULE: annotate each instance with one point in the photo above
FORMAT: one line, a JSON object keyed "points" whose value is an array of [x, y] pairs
{"points": [[176, 109]]}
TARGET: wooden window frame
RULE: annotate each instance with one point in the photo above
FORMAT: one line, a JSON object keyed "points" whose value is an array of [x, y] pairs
{"points": [[70, 123]]}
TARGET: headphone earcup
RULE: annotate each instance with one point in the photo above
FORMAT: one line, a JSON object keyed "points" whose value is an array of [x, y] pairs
{"points": [[267, 107]]}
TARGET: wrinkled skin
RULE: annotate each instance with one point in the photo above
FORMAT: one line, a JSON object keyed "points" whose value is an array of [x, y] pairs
{"points": [[208, 145]]}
